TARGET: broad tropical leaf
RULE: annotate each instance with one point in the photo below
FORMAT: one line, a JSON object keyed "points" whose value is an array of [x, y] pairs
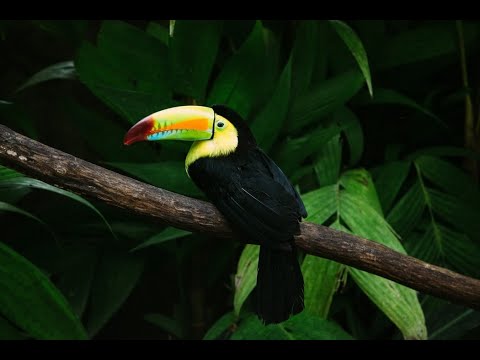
{"points": [[30, 301]]}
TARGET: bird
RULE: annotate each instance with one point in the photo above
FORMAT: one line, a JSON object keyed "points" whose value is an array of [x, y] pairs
{"points": [[248, 188]]}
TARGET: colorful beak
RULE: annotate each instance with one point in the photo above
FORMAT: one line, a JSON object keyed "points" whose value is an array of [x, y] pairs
{"points": [[188, 123]]}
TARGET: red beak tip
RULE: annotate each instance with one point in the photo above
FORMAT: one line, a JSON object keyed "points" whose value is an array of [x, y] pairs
{"points": [[127, 140], [138, 131]]}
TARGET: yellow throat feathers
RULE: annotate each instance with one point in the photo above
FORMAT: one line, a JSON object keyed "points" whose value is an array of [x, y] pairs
{"points": [[224, 142]]}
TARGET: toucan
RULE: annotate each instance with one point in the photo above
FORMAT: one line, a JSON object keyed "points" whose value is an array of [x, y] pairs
{"points": [[247, 187]]}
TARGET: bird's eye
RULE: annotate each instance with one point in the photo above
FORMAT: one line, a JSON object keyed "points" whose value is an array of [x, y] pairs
{"points": [[220, 124]]}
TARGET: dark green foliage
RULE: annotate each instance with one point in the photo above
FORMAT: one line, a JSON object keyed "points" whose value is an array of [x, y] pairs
{"points": [[30, 301], [192, 53], [131, 79], [299, 327], [393, 167]]}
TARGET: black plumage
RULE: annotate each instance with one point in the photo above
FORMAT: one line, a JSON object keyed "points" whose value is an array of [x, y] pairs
{"points": [[256, 197]]}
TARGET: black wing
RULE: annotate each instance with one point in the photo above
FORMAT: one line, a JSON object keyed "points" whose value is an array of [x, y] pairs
{"points": [[251, 198], [281, 178]]}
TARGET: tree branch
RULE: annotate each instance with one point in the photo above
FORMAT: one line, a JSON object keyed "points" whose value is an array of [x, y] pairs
{"points": [[68, 172]]}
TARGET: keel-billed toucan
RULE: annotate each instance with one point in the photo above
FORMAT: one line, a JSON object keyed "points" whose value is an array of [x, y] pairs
{"points": [[247, 187]]}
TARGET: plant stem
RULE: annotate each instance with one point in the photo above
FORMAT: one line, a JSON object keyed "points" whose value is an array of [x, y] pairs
{"points": [[469, 129]]}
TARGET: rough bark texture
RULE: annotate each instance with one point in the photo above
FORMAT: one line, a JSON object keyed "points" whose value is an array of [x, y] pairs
{"points": [[81, 177]]}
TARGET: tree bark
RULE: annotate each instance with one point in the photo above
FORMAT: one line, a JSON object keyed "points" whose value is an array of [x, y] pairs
{"points": [[66, 171]]}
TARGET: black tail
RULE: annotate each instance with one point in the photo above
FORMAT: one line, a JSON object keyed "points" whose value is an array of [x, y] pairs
{"points": [[279, 288]]}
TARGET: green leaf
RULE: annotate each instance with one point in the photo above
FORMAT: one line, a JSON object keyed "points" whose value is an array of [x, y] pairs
{"points": [[461, 214], [128, 70], [30, 301], [323, 99], [327, 164], [304, 56], [109, 147], [442, 245], [353, 131], [359, 183], [221, 328], [299, 173], [169, 175], [448, 321], [10, 332], [115, 277], [322, 278], [321, 203], [427, 245], [193, 49], [365, 221], [393, 152], [111, 85], [420, 44], [389, 178], [449, 178], [302, 326], [355, 46], [6, 173], [397, 302], [171, 27], [5, 104], [406, 214], [158, 31], [460, 251], [62, 70], [267, 125], [141, 59], [295, 150], [445, 151], [320, 66], [170, 233], [393, 97], [5, 207], [166, 323], [245, 78], [37, 184], [11, 195], [76, 275], [445, 247], [246, 276]]}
